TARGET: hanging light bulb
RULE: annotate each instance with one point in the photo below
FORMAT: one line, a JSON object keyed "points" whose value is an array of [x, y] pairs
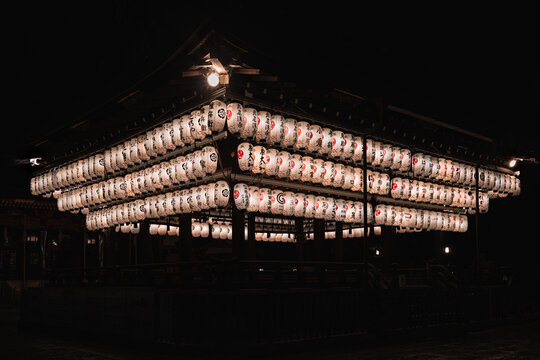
{"points": [[213, 79], [512, 163]]}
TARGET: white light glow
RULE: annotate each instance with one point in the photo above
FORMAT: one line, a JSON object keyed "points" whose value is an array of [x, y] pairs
{"points": [[446, 250], [512, 163], [213, 79]]}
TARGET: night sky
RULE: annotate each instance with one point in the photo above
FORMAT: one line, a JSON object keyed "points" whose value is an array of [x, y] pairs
{"points": [[477, 69]]}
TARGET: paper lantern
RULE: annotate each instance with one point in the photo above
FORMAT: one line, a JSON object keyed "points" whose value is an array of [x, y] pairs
{"points": [[418, 164], [217, 115], [384, 180], [338, 142], [358, 182], [276, 129], [339, 175], [428, 166], [189, 165], [241, 196], [350, 213], [196, 229], [180, 169], [397, 188], [302, 135], [318, 171], [329, 173], [320, 207], [341, 210], [205, 230], [284, 164], [235, 117], [176, 132], [271, 164], [380, 214], [186, 136], [278, 201], [289, 132], [405, 160], [299, 204], [348, 178], [414, 190], [259, 159], [265, 200], [209, 159], [222, 193], [296, 167], [254, 199], [326, 141], [315, 138], [263, 126], [249, 128], [289, 203], [310, 206], [157, 137], [216, 230], [205, 128], [167, 136], [307, 169], [348, 147], [387, 155]]}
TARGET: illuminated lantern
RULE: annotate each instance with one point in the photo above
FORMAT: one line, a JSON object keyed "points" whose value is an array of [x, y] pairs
{"points": [[326, 141], [320, 207], [263, 126], [289, 132], [338, 142], [141, 151], [134, 152], [162, 230], [463, 223], [210, 159], [378, 153], [385, 184], [358, 149], [241, 196], [235, 117], [265, 200], [259, 159], [516, 190], [350, 212], [179, 170], [396, 190], [99, 165], [197, 131], [249, 127], [189, 166], [348, 147], [205, 229], [196, 229], [271, 164], [302, 135], [107, 161], [330, 212], [299, 204], [296, 167], [341, 210], [159, 146], [418, 164], [205, 128], [254, 199], [284, 164], [167, 135], [328, 173], [414, 190], [348, 179], [276, 129], [381, 213], [318, 171], [289, 203], [186, 135], [315, 138], [199, 164], [216, 230], [217, 115], [307, 169], [388, 156], [428, 166], [222, 193], [405, 160], [176, 132], [434, 167], [339, 175], [278, 201], [140, 210], [310, 206], [358, 181]]}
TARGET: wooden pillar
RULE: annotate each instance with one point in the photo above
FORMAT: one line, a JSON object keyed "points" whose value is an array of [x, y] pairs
{"points": [[339, 241], [251, 237], [186, 237], [144, 248], [300, 237], [238, 237], [318, 238]]}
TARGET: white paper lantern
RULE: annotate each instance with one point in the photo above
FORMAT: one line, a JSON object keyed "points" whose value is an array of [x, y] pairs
{"points": [[348, 147], [302, 135], [217, 115], [418, 164], [307, 169], [318, 171], [216, 230], [299, 204], [310, 206], [263, 126], [329, 173], [241, 196], [253, 199], [348, 179], [358, 182], [289, 132], [284, 164], [405, 160], [428, 167], [380, 214], [259, 159], [379, 153], [289, 203], [176, 132], [278, 201], [339, 175], [205, 230], [271, 165], [235, 117], [338, 142], [296, 167], [397, 188], [276, 129], [205, 109], [326, 141], [341, 210], [222, 193], [265, 200], [315, 138], [320, 207], [167, 135], [186, 135], [250, 123]]}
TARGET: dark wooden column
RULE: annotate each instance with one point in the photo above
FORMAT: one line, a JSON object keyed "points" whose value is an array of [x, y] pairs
{"points": [[339, 241], [318, 238], [185, 237], [300, 238], [251, 244], [238, 237]]}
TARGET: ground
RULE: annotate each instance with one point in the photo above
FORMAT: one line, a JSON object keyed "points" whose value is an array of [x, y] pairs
{"points": [[499, 342]]}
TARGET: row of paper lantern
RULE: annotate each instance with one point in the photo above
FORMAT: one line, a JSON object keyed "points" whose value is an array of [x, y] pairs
{"points": [[391, 215], [288, 203], [198, 198], [181, 131], [420, 191], [179, 170]]}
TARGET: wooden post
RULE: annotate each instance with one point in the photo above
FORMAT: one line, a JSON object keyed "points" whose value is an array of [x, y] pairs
{"points": [[318, 238], [251, 237], [238, 237], [300, 238], [339, 241], [186, 237]]}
